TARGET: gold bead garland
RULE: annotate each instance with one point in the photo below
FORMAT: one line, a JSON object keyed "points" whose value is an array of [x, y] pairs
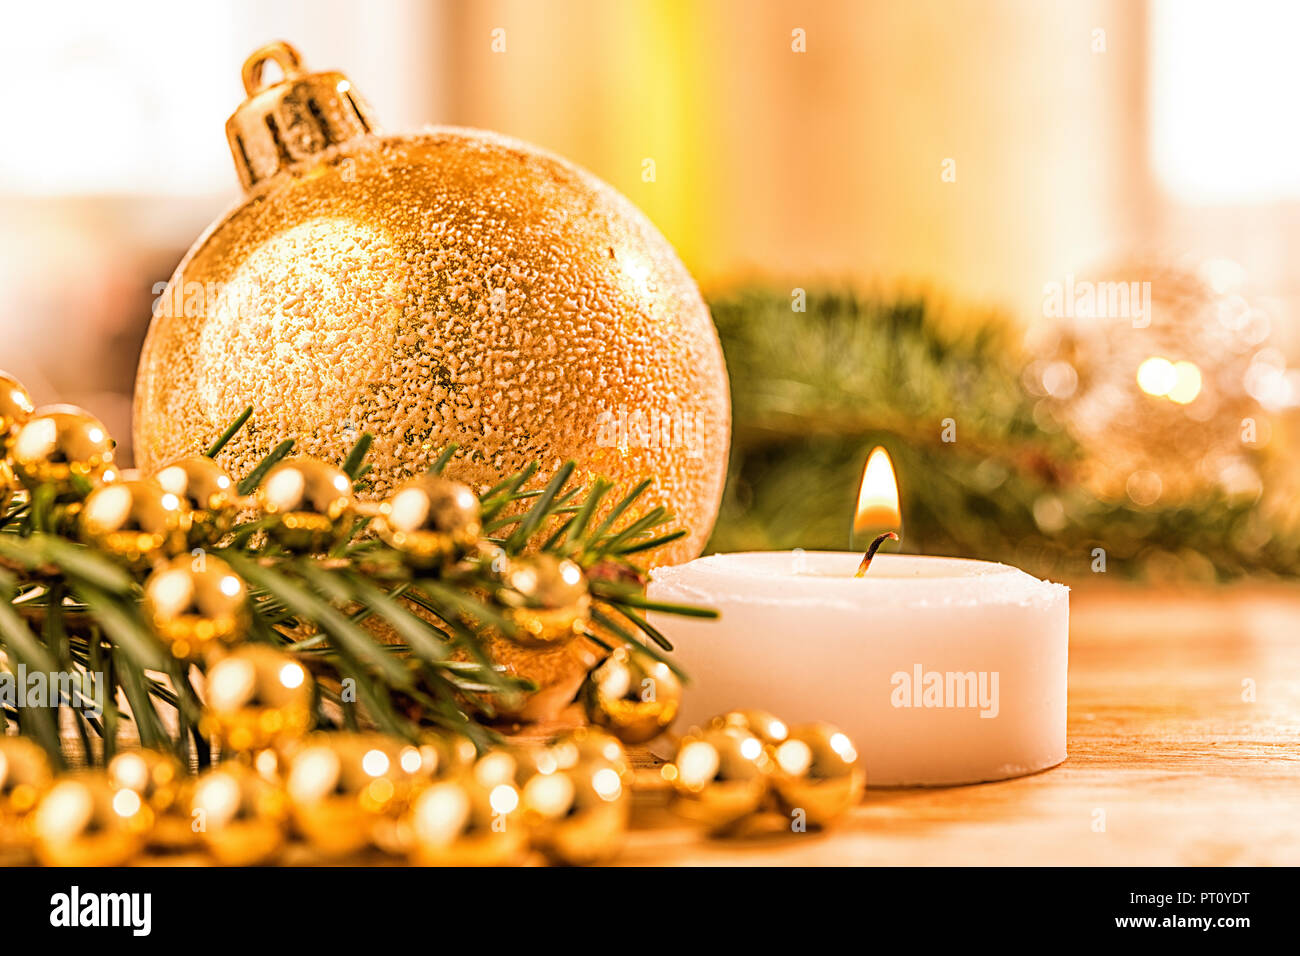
{"points": [[435, 801]]}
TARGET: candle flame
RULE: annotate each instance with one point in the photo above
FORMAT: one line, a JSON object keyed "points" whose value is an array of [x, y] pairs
{"points": [[878, 496]]}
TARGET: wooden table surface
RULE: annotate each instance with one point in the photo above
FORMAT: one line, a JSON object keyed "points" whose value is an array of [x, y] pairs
{"points": [[1168, 763]]}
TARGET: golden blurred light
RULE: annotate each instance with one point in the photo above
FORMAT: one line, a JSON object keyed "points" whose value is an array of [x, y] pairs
{"points": [[794, 757], [292, 675], [130, 770], [750, 748], [878, 496], [1157, 376], [375, 763], [607, 783], [126, 803], [1187, 383], [504, 798], [841, 744], [697, 763], [411, 759]]}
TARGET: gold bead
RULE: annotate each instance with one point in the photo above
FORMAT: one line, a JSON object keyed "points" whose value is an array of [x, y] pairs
{"points": [[312, 501], [584, 745], [240, 817], [341, 784], [59, 444], [632, 695], [437, 756], [768, 728], [15, 408], [8, 485], [546, 599], [720, 776], [136, 520], [163, 785], [578, 816], [433, 520], [817, 773], [193, 603], [84, 821], [257, 697], [207, 491], [460, 822], [25, 776]]}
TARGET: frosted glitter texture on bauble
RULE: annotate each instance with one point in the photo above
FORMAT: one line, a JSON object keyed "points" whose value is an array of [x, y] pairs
{"points": [[447, 286]]}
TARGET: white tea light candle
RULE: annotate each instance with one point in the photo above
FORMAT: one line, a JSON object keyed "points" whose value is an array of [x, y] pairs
{"points": [[941, 670]]}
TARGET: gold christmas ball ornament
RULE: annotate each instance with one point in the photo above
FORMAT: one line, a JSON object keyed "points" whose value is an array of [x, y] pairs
{"points": [[257, 697], [240, 816], [817, 773], [15, 408], [85, 821], [632, 695], [720, 776], [136, 520], [312, 501], [61, 445], [196, 602], [461, 822], [449, 286], [25, 776], [340, 784], [207, 490], [163, 785], [546, 598], [578, 816], [433, 520]]}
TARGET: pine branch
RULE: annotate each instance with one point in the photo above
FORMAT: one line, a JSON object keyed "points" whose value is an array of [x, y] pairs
{"points": [[413, 641]]}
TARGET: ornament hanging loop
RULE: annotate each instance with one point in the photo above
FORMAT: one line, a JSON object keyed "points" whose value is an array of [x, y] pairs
{"points": [[292, 121], [282, 54]]}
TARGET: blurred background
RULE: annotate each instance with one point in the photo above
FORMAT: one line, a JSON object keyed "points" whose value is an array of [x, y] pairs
{"points": [[898, 211]]}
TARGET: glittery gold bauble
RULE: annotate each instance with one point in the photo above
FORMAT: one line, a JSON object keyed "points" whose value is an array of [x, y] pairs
{"points": [[257, 697], [15, 408], [578, 816], [1168, 378], [59, 444], [447, 286], [817, 772], [164, 786], [25, 776], [136, 520], [433, 520], [341, 784], [207, 491], [463, 823], [241, 817], [720, 776], [193, 602], [311, 502], [85, 821], [547, 600], [632, 695]]}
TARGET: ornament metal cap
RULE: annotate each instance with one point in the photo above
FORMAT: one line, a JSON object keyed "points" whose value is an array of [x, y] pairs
{"points": [[294, 119]]}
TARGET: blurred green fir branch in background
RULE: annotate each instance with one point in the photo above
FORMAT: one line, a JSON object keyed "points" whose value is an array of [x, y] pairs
{"points": [[813, 391]]}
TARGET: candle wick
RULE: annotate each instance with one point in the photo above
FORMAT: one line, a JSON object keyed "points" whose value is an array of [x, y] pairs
{"points": [[871, 552]]}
